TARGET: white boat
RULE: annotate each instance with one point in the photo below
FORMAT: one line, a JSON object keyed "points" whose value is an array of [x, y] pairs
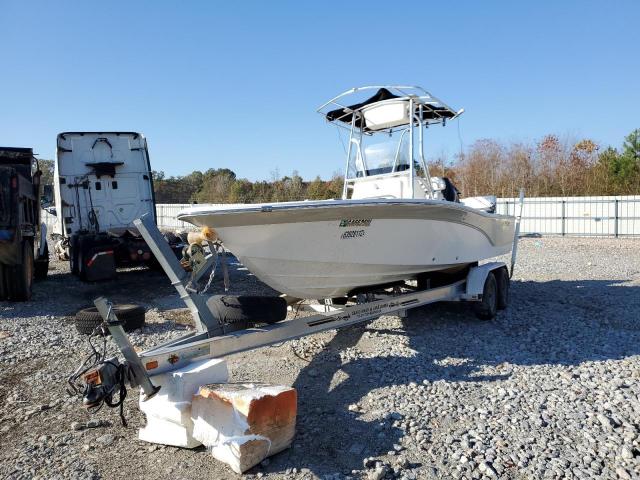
{"points": [[393, 223]]}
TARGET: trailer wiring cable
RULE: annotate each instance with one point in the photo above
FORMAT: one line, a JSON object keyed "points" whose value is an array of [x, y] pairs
{"points": [[95, 359], [121, 375]]}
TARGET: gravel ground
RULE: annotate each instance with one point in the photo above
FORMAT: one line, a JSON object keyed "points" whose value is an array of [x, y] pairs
{"points": [[550, 389]]}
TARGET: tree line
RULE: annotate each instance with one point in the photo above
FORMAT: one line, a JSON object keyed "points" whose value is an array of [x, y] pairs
{"points": [[221, 185], [550, 166]]}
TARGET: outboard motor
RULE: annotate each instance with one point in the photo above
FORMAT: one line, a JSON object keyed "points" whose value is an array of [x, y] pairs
{"points": [[450, 192]]}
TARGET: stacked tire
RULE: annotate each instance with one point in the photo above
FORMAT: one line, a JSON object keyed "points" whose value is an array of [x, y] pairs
{"points": [[131, 316]]}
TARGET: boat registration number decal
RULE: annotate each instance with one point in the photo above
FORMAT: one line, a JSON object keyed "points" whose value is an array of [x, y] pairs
{"points": [[355, 222], [352, 234]]}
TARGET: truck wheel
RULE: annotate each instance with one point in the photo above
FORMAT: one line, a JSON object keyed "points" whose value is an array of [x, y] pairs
{"points": [[487, 308], [82, 247], [23, 274], [131, 315], [502, 279], [6, 282], [3, 285], [73, 255], [41, 266], [9, 282]]}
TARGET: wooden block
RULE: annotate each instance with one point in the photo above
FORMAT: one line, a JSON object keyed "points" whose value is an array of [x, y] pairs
{"points": [[244, 423]]}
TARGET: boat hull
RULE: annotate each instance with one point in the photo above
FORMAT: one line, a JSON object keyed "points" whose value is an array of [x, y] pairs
{"points": [[328, 249]]}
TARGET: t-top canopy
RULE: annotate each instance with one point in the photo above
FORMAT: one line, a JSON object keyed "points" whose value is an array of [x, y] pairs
{"points": [[433, 110]]}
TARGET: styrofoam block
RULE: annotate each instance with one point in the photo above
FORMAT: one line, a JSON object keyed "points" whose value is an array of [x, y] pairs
{"points": [[163, 409], [168, 412], [168, 433], [181, 384], [243, 424], [173, 401]]}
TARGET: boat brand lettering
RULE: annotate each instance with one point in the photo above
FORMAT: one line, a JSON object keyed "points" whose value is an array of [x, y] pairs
{"points": [[355, 222], [352, 234]]}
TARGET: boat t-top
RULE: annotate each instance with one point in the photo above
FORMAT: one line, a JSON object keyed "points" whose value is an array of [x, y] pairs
{"points": [[394, 222]]}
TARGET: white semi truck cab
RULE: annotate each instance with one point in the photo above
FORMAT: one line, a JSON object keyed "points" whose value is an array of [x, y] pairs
{"points": [[102, 182]]}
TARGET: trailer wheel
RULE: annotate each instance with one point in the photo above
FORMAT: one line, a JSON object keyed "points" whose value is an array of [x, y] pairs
{"points": [[132, 316], [248, 308], [502, 279], [42, 264], [487, 308], [23, 274]]}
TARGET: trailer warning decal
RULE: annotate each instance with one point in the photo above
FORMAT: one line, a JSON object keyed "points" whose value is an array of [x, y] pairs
{"points": [[362, 312]]}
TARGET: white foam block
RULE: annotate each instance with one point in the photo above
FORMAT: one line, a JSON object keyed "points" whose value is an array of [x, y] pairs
{"points": [[169, 411], [168, 433], [243, 424]]}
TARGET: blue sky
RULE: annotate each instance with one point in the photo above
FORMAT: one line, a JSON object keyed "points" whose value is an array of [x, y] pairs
{"points": [[236, 84]]}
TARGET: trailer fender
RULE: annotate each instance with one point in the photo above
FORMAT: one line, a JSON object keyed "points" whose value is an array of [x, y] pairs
{"points": [[476, 280]]}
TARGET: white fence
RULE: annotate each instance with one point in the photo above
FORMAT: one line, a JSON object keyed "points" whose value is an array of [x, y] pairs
{"points": [[617, 216], [575, 216]]}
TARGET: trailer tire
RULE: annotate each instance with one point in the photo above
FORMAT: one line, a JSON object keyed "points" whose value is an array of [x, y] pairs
{"points": [[132, 316], [248, 308], [487, 308], [41, 266], [23, 274], [503, 283]]}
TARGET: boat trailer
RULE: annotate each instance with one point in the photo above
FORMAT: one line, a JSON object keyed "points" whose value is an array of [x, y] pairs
{"points": [[487, 285]]}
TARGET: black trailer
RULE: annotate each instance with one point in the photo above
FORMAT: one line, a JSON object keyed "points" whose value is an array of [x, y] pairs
{"points": [[24, 254]]}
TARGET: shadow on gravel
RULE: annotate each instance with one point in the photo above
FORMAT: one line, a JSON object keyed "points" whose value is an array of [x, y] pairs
{"points": [[550, 323]]}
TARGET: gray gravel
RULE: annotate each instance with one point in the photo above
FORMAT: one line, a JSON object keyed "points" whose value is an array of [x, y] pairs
{"points": [[550, 389]]}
